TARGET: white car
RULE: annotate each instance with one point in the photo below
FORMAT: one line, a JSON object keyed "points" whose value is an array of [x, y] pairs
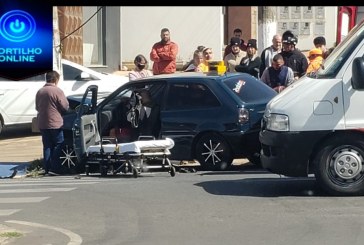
{"points": [[17, 98]]}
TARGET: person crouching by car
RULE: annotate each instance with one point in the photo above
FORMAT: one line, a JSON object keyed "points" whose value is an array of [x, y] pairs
{"points": [[277, 76]]}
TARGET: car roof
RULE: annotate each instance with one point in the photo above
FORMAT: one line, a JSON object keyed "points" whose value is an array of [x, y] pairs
{"points": [[179, 75]]}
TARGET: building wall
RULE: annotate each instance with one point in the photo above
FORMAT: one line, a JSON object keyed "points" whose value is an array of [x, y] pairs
{"points": [[240, 17], [70, 18], [189, 28]]}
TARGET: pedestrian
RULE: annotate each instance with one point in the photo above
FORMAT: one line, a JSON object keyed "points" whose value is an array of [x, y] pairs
{"points": [[196, 65], [237, 33], [208, 55], [141, 68], [320, 43], [269, 52], [164, 54], [51, 103], [315, 60], [251, 62], [293, 58], [277, 76], [233, 59], [199, 48]]}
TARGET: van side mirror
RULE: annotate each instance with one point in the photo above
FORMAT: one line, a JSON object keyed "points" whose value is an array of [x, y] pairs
{"points": [[357, 77]]}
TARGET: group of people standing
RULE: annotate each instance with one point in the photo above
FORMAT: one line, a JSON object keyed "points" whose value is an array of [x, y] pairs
{"points": [[279, 64]]}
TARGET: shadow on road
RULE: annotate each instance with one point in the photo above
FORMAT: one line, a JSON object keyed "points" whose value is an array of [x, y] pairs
{"points": [[263, 187]]}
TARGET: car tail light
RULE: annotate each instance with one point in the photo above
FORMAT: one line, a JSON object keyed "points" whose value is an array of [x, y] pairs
{"points": [[243, 115]]}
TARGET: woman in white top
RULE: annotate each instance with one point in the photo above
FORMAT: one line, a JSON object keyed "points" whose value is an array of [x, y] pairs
{"points": [[141, 68]]}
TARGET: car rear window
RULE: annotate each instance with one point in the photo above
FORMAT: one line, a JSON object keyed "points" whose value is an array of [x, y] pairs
{"points": [[248, 88]]}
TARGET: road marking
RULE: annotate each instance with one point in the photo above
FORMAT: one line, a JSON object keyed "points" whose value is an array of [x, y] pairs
{"points": [[36, 190], [46, 183], [6, 212], [22, 199], [75, 239]]}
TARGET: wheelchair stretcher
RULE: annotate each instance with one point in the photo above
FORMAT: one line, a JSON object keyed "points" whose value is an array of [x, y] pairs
{"points": [[134, 157]]}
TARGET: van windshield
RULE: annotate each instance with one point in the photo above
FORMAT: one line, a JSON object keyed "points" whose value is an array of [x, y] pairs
{"points": [[341, 53]]}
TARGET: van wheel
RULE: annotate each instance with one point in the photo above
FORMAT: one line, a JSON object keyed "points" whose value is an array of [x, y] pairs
{"points": [[1, 126], [339, 166], [69, 159], [213, 152]]}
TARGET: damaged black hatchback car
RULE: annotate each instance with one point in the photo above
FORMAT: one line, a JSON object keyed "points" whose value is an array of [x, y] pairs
{"points": [[213, 119]]}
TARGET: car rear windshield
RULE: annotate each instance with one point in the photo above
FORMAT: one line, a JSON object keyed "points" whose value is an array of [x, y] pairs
{"points": [[248, 88]]}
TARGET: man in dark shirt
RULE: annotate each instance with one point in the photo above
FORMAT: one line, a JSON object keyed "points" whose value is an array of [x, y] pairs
{"points": [[251, 62], [50, 102], [293, 58]]}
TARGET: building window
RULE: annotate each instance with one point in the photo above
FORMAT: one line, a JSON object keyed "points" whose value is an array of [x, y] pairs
{"points": [[93, 35]]}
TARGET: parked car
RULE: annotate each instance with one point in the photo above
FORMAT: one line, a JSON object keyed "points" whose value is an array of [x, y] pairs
{"points": [[211, 118], [17, 98]]}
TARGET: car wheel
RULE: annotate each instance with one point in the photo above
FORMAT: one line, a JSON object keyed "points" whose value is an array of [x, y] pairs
{"points": [[213, 152], [339, 166], [69, 161]]}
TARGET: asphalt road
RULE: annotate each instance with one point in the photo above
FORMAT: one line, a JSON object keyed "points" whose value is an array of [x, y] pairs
{"points": [[246, 205]]}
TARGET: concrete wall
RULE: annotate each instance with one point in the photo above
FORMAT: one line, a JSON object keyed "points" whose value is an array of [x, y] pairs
{"points": [[189, 27]]}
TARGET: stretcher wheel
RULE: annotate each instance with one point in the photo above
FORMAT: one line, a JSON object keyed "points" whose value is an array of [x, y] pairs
{"points": [[172, 172], [87, 170], [103, 170], [135, 173]]}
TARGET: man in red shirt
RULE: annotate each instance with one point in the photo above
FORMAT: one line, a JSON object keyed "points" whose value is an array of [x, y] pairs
{"points": [[164, 54]]}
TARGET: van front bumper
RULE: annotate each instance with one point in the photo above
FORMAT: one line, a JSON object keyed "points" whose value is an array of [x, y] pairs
{"points": [[288, 153]]}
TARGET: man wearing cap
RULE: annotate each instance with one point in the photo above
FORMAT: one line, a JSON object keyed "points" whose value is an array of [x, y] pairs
{"points": [[237, 33], [315, 60], [293, 58], [251, 62], [236, 55]]}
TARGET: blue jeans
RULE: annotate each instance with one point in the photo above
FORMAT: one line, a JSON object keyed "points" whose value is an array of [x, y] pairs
{"points": [[52, 147]]}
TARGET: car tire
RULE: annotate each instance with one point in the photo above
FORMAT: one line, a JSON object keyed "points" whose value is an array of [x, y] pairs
{"points": [[213, 152], [69, 161], [339, 165]]}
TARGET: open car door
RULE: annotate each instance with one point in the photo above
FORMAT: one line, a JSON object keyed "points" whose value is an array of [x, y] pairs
{"points": [[85, 129]]}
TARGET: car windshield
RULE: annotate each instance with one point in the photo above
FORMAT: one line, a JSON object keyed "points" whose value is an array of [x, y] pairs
{"points": [[341, 53], [248, 89]]}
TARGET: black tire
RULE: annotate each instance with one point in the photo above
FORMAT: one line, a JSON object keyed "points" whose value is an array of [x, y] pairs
{"points": [[69, 161], [1, 126], [339, 166], [135, 173], [104, 168], [213, 152], [172, 171]]}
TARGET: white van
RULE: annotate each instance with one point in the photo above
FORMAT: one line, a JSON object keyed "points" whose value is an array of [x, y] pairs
{"points": [[17, 98], [316, 125]]}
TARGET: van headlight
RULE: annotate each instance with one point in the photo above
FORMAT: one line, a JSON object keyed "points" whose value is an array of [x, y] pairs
{"points": [[277, 122]]}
